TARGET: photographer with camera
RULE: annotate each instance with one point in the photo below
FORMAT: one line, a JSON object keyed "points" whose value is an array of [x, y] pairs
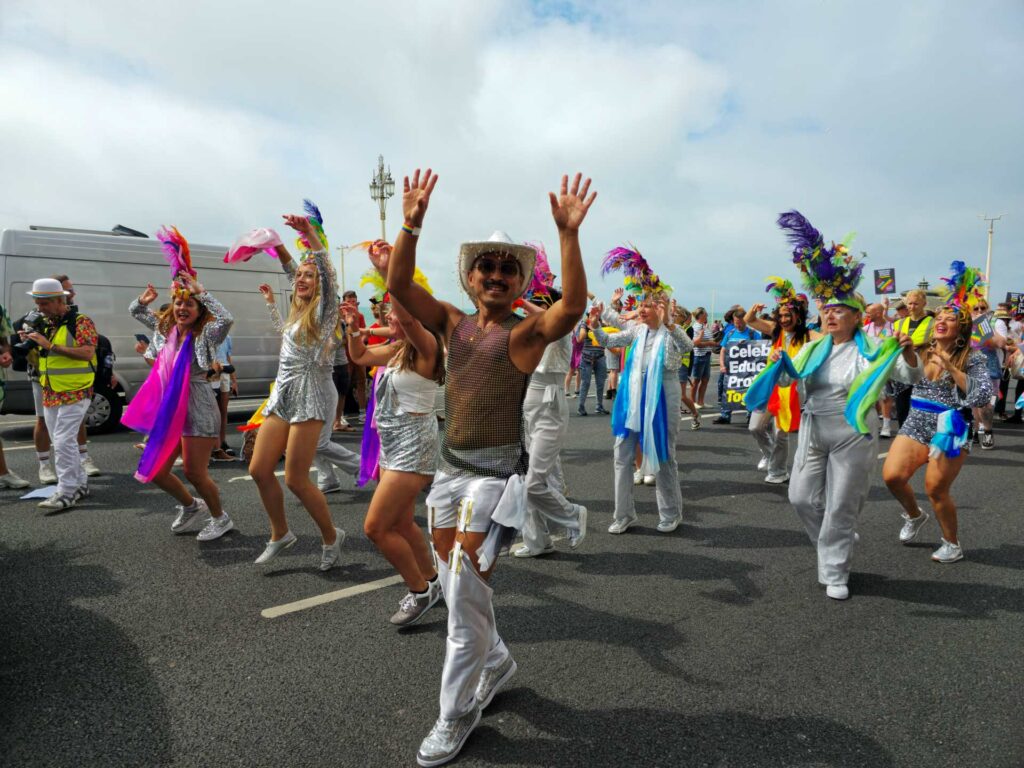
{"points": [[26, 360], [66, 342]]}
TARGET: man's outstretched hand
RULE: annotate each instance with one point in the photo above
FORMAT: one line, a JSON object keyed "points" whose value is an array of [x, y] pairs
{"points": [[569, 208], [416, 196]]}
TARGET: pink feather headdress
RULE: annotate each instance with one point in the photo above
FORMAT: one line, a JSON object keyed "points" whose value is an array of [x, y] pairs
{"points": [[178, 256], [543, 279]]}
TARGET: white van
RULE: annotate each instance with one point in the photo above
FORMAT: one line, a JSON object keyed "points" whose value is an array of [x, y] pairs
{"points": [[109, 271]]}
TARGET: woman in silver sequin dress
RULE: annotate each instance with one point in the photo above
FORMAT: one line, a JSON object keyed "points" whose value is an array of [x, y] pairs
{"points": [[955, 376], [298, 406], [192, 310], [407, 426]]}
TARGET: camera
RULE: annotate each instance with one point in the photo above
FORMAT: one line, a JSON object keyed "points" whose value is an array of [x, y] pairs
{"points": [[33, 321]]}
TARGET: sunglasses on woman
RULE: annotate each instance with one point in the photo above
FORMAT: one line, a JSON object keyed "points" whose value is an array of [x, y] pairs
{"points": [[487, 266]]}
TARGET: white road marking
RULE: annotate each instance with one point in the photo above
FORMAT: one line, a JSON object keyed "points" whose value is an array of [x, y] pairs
{"points": [[18, 447], [883, 455], [279, 473], [329, 597]]}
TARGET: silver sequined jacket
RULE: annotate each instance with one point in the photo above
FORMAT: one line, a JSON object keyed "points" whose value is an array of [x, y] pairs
{"points": [[213, 333]]}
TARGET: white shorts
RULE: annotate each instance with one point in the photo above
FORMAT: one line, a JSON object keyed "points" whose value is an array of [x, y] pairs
{"points": [[221, 383], [466, 501], [37, 397]]}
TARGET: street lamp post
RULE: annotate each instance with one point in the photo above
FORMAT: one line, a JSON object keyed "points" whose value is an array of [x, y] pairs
{"points": [[988, 257], [382, 186]]}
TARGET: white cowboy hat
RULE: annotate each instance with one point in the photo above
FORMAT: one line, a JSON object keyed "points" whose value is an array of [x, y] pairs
{"points": [[499, 243], [47, 288]]}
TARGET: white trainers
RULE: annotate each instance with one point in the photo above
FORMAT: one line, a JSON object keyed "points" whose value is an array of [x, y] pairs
{"points": [[331, 554], [885, 431], [948, 553], [649, 479], [274, 548], [638, 478], [47, 474], [58, 501], [446, 738], [90, 467], [912, 525], [187, 516], [837, 591], [668, 527], [11, 480], [777, 479], [413, 606], [525, 551], [216, 527], [762, 465], [577, 535], [621, 526]]}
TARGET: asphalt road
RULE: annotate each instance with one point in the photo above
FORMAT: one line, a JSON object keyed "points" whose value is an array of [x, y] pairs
{"points": [[124, 645]]}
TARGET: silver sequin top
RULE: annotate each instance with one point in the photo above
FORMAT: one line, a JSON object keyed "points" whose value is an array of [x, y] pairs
{"points": [[213, 333], [304, 369], [920, 425]]}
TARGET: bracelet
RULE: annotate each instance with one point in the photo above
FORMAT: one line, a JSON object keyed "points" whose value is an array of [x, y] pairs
{"points": [[409, 229], [355, 334]]}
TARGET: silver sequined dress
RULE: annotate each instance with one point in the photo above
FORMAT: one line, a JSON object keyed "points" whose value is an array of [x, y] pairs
{"points": [[920, 425], [203, 416], [304, 370]]}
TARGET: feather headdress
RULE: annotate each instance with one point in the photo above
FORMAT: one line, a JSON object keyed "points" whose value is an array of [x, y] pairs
{"points": [[178, 256], [638, 277], [543, 278], [376, 280], [781, 289], [314, 217], [832, 274], [965, 285]]}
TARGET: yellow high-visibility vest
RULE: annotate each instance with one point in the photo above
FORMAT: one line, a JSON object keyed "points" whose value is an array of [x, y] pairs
{"points": [[921, 334], [62, 373]]}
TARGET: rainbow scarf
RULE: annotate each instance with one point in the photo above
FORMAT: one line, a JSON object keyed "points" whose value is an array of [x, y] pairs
{"points": [[951, 431], [161, 404], [640, 384], [864, 391], [369, 450]]}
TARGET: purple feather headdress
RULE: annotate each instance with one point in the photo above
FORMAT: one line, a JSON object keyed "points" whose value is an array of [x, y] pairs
{"points": [[830, 273], [639, 279], [543, 278]]}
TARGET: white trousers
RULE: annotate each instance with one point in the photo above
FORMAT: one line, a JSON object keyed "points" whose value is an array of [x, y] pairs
{"points": [[62, 422], [773, 442], [831, 479], [668, 493], [330, 454], [546, 414]]}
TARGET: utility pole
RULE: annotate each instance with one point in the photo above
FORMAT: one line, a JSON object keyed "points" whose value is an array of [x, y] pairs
{"points": [[382, 186], [341, 252], [988, 258]]}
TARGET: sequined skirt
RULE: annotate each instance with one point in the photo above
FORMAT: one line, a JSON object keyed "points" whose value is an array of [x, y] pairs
{"points": [[203, 416], [408, 442]]}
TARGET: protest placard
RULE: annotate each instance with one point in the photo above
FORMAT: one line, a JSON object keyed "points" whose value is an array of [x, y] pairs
{"points": [[743, 361], [885, 281]]}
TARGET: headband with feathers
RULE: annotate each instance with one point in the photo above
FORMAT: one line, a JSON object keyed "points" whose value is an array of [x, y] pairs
{"points": [[543, 279], [965, 285], [830, 273], [782, 289], [376, 280], [178, 256], [639, 279], [314, 217]]}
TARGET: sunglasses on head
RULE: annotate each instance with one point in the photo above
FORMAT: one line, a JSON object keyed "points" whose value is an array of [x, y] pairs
{"points": [[488, 266]]}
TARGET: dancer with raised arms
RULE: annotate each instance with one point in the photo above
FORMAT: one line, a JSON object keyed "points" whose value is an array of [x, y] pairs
{"points": [[477, 498]]}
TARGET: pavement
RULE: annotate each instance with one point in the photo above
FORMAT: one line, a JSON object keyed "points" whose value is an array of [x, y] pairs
{"points": [[124, 645]]}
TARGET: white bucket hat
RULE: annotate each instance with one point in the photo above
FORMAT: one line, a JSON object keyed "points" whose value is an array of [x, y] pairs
{"points": [[47, 288], [499, 243]]}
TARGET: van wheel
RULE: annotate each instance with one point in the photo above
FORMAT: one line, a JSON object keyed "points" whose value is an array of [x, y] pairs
{"points": [[104, 413]]}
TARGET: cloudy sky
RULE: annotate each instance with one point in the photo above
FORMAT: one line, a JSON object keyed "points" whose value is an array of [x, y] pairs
{"points": [[699, 123]]}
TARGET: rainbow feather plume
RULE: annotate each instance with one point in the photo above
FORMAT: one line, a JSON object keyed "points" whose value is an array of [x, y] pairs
{"points": [[638, 277], [781, 288], [965, 286], [314, 217], [176, 251]]}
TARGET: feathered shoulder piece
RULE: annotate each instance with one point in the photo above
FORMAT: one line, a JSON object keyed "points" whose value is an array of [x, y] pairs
{"points": [[543, 278], [376, 280], [638, 277], [314, 217], [830, 273], [781, 289], [965, 285]]}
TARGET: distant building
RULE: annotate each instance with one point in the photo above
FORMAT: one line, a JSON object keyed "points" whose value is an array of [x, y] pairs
{"points": [[934, 299]]}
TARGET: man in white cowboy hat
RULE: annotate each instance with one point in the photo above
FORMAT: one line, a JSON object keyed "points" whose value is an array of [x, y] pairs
{"points": [[67, 367], [477, 499]]}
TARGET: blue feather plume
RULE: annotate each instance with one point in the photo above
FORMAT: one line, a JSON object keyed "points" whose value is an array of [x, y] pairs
{"points": [[312, 211]]}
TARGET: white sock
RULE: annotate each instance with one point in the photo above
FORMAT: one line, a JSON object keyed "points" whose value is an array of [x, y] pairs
{"points": [[43, 456], [887, 423]]}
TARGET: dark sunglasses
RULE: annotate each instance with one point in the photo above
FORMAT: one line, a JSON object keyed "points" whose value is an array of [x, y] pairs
{"points": [[488, 266]]}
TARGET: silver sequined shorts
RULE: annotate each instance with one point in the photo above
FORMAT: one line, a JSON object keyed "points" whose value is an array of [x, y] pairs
{"points": [[203, 417], [408, 443]]}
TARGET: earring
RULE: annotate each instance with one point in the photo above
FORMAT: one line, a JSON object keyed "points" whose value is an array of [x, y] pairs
{"points": [[960, 343]]}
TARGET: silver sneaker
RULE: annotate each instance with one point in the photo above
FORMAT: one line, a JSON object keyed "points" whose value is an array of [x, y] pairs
{"points": [[777, 479], [90, 468], [413, 606], [650, 480], [668, 527], [187, 517], [621, 526], [638, 478], [216, 527], [11, 480], [274, 548], [493, 680], [525, 551], [577, 535], [47, 475], [762, 465], [331, 554], [912, 525], [948, 553], [446, 738]]}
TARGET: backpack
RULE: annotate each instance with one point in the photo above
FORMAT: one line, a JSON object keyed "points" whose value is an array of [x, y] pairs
{"points": [[105, 358]]}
